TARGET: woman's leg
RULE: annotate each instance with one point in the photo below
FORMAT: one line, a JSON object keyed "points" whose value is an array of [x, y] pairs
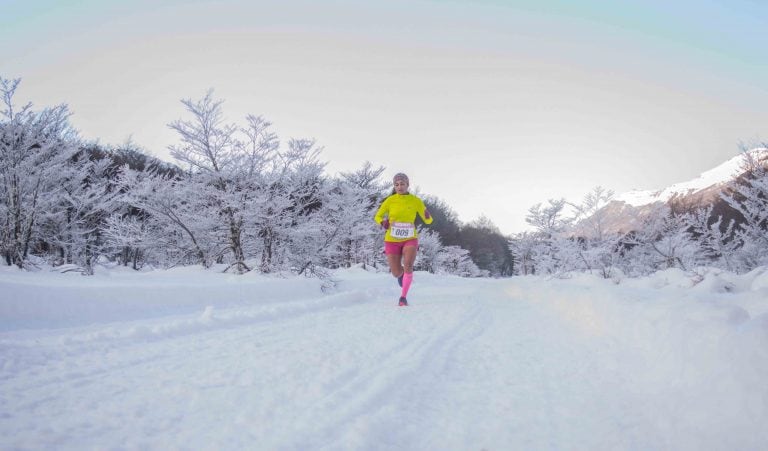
{"points": [[395, 264], [409, 258]]}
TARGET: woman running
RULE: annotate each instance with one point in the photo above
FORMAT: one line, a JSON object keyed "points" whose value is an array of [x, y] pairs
{"points": [[397, 215]]}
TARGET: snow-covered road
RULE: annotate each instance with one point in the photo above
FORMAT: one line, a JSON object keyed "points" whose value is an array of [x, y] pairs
{"points": [[522, 363]]}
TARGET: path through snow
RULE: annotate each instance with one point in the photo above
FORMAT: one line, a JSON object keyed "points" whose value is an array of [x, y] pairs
{"points": [[521, 363]]}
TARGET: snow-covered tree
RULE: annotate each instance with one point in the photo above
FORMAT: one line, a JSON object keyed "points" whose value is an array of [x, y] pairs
{"points": [[273, 203], [599, 250], [663, 241], [225, 162], [87, 200], [591, 216], [34, 149], [549, 220], [429, 251], [181, 228], [312, 232], [717, 240], [283, 199], [356, 195], [553, 251], [129, 237], [524, 246], [750, 198], [457, 261]]}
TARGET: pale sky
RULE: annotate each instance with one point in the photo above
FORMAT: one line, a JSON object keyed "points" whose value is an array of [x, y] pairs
{"points": [[490, 105]]}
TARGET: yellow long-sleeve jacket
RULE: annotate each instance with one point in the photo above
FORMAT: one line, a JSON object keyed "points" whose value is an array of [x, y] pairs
{"points": [[401, 210]]}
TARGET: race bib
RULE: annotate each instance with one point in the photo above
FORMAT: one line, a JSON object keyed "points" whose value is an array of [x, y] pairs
{"points": [[402, 230]]}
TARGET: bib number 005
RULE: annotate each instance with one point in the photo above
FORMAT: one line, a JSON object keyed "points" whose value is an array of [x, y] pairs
{"points": [[402, 230]]}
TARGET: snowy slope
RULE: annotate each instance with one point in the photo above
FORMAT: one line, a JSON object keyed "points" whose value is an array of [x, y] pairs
{"points": [[192, 359], [720, 175]]}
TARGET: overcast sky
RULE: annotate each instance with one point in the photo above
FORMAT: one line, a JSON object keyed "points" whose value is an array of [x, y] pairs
{"points": [[491, 105]]}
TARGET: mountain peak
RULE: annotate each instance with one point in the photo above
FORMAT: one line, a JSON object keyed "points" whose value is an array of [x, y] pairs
{"points": [[625, 212], [717, 176]]}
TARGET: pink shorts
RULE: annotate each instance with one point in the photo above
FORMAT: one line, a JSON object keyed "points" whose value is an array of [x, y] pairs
{"points": [[391, 248]]}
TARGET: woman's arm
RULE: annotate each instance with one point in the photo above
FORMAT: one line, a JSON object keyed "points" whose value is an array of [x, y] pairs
{"points": [[383, 209], [424, 213]]}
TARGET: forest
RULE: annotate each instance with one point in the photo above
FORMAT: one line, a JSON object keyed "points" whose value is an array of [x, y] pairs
{"points": [[239, 196]]}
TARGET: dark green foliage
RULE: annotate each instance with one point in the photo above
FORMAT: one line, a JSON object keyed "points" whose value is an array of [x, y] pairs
{"points": [[488, 248], [446, 222]]}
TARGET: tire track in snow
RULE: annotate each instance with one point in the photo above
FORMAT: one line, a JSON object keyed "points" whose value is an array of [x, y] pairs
{"points": [[69, 343], [70, 372], [365, 393]]}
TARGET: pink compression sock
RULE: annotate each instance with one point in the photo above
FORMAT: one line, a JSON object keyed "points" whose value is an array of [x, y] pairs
{"points": [[407, 279]]}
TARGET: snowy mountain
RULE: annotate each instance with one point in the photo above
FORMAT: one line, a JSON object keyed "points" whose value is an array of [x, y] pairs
{"points": [[625, 211]]}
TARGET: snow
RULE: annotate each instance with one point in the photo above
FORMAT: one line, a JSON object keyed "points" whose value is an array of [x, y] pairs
{"points": [[196, 359], [720, 175]]}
